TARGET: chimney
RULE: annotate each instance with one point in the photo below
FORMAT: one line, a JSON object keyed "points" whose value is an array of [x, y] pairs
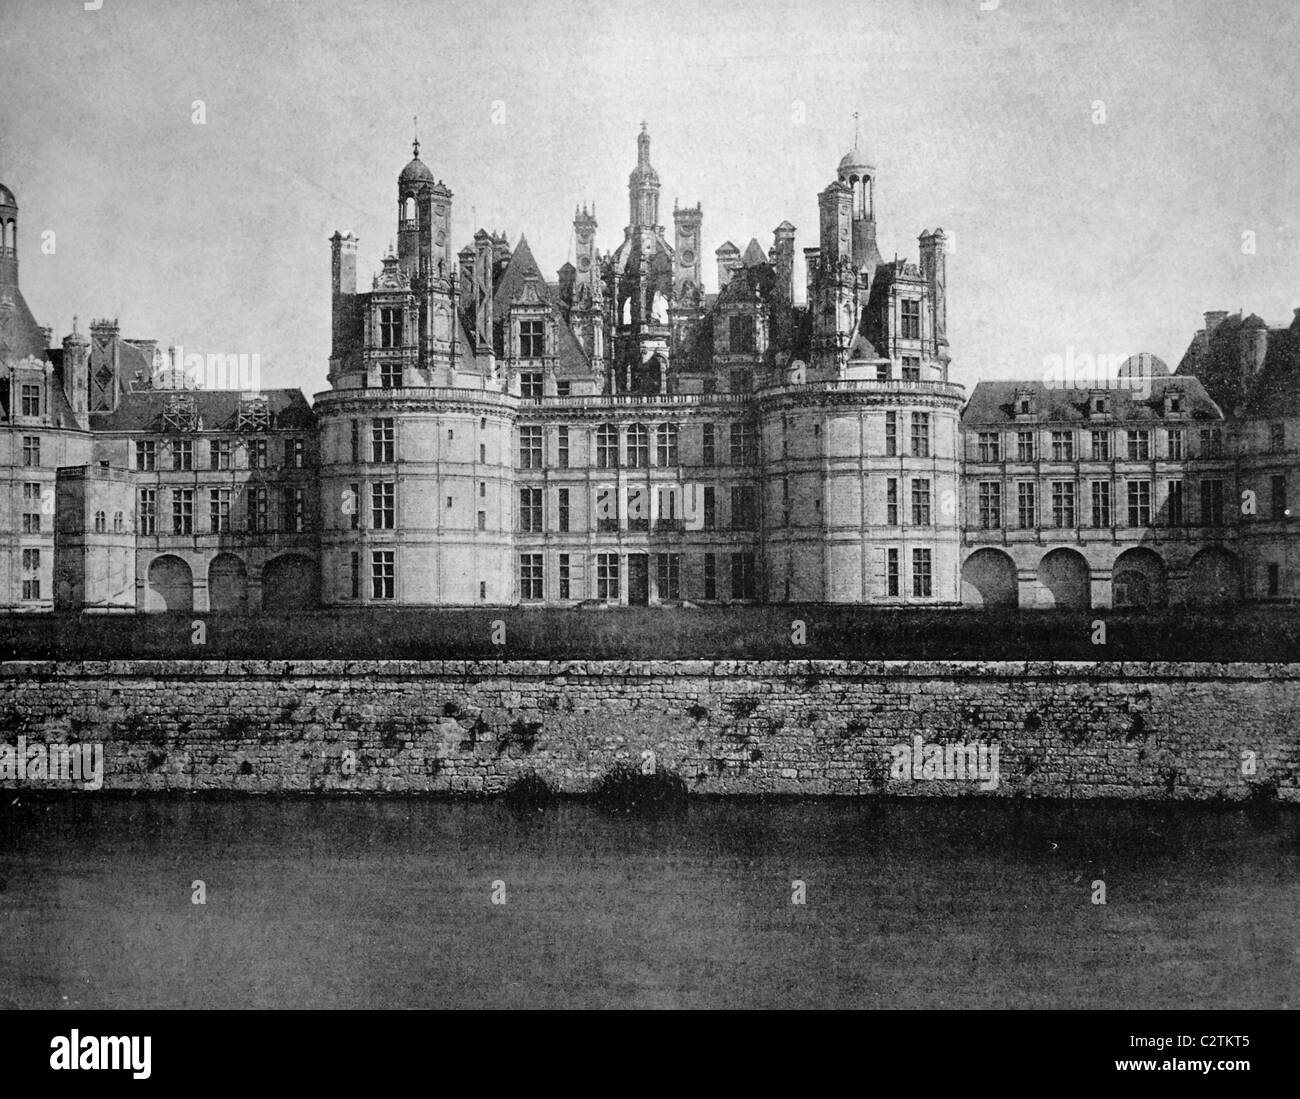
{"points": [[1213, 319], [728, 260]]}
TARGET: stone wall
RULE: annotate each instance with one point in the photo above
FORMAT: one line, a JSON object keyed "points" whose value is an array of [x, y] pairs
{"points": [[1142, 730]]}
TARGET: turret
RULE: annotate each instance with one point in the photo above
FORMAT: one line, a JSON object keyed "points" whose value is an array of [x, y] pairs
{"points": [[76, 373]]}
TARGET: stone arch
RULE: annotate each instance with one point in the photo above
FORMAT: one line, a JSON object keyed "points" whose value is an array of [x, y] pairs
{"points": [[1214, 577], [290, 582], [169, 585], [1139, 579], [1065, 580], [228, 584], [988, 579]]}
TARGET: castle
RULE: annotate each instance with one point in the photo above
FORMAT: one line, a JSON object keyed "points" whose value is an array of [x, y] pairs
{"points": [[619, 435]]}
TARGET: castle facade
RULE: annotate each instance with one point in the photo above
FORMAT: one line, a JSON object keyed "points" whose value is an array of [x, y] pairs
{"points": [[620, 435]]}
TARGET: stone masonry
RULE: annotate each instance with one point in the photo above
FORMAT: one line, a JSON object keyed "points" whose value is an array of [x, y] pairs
{"points": [[1089, 730]]}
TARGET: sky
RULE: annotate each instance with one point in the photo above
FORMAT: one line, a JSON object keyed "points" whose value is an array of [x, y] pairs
{"points": [[1108, 169]]}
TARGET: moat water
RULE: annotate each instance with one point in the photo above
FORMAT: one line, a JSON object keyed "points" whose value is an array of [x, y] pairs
{"points": [[386, 903]]}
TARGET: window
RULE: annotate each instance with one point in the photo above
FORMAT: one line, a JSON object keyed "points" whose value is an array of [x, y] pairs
{"points": [[356, 440], [119, 522], [530, 385], [219, 454], [293, 452], [482, 520], [564, 577], [563, 388], [1211, 442], [1176, 438], [891, 572], [1174, 509], [666, 444], [390, 375], [921, 502], [564, 510], [920, 435], [911, 368], [891, 501], [1278, 485], [145, 454], [482, 590], [383, 574], [530, 447], [182, 454], [1277, 436], [259, 507], [744, 510], [32, 507], [530, 510], [482, 452], [891, 434], [293, 516], [1139, 445], [709, 448], [607, 576], [531, 342], [1101, 514], [990, 505], [354, 577], [383, 505], [257, 454], [31, 574], [911, 318], [382, 441], [183, 511], [710, 576], [1211, 503], [390, 328], [101, 522], [922, 580], [31, 399], [1101, 446], [990, 447], [1274, 580], [562, 447], [1139, 503], [882, 372], [147, 510], [638, 446], [742, 576], [1025, 449], [744, 445], [1026, 504], [530, 577], [352, 505], [1062, 446], [607, 446], [1062, 503], [668, 575], [219, 510], [742, 335], [710, 507]]}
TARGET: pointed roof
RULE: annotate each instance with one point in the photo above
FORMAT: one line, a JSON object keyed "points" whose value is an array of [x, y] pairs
{"points": [[754, 254]]}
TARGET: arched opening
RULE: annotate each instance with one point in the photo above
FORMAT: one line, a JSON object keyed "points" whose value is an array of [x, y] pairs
{"points": [[1138, 579], [290, 583], [169, 585], [627, 310], [228, 584], [1214, 577], [1064, 577], [408, 209], [100, 523], [988, 579]]}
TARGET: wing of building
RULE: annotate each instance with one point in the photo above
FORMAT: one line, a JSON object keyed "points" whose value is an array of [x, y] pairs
{"points": [[619, 434]]}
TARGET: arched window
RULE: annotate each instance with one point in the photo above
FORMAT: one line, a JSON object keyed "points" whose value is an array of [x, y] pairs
{"points": [[666, 445], [100, 522], [117, 521], [408, 209], [607, 446], [638, 446]]}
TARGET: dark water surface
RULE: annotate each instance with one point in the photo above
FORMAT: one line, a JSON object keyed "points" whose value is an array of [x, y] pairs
{"points": [[341, 903]]}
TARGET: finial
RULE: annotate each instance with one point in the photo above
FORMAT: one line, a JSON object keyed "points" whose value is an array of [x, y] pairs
{"points": [[645, 126], [74, 324], [415, 145], [855, 129]]}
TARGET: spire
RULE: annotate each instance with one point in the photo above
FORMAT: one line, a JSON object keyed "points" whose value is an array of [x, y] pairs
{"points": [[415, 144], [643, 147]]}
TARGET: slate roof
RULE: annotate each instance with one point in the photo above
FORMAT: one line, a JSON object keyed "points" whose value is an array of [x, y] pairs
{"points": [[994, 402], [142, 410]]}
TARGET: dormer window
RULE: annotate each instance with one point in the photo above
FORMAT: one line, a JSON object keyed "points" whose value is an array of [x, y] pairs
{"points": [[1173, 402], [531, 340], [390, 328], [911, 319], [530, 385], [31, 400], [1024, 403]]}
